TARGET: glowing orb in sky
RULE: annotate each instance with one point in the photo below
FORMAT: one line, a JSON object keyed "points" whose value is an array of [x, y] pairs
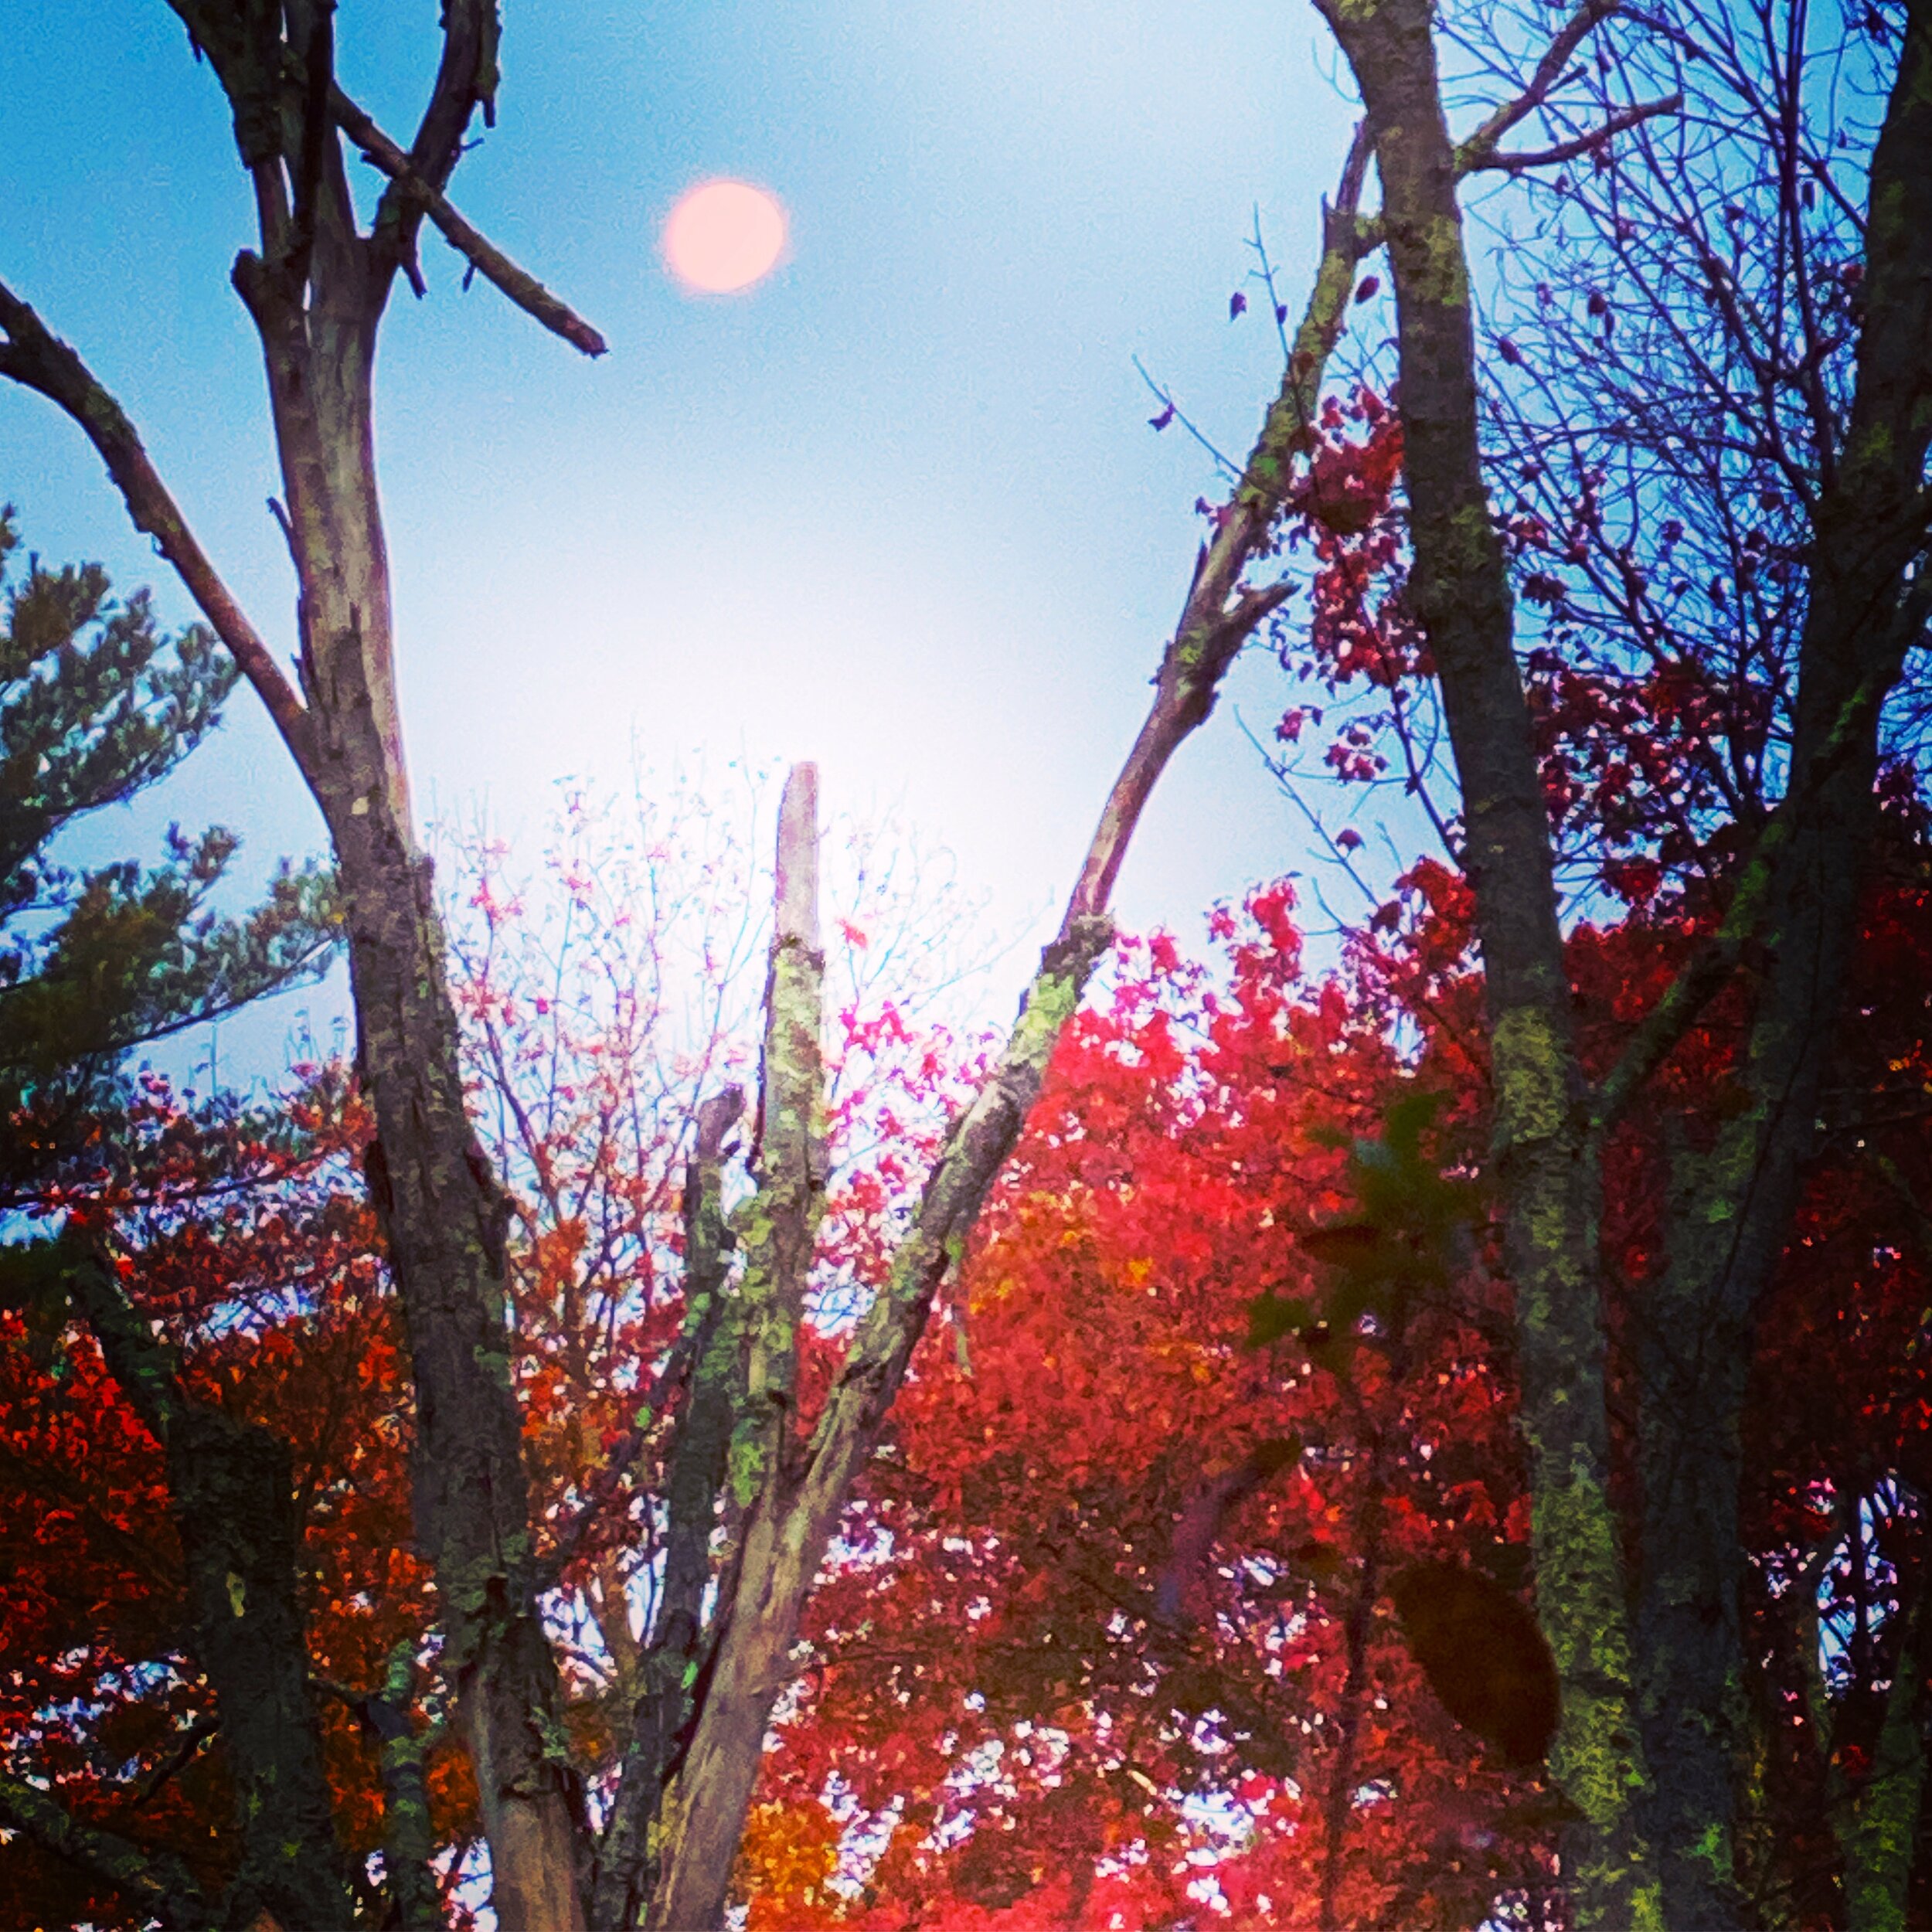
{"points": [[723, 236]]}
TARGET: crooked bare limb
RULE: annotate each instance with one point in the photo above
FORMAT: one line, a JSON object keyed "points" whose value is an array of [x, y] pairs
{"points": [[33, 356]]}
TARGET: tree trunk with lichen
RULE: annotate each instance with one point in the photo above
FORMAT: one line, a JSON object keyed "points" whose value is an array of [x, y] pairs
{"points": [[1546, 1180], [443, 1215], [797, 1491], [1879, 1821], [797, 1506], [1651, 1741], [1734, 1201], [317, 288], [232, 1487]]}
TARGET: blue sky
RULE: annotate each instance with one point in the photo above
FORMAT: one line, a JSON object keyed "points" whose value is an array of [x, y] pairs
{"points": [[897, 509]]}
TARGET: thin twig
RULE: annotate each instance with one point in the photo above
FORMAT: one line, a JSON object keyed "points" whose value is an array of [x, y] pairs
{"points": [[1584, 143], [1173, 409]]}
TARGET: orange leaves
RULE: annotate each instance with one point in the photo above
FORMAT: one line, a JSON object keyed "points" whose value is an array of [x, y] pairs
{"points": [[789, 1852], [555, 1254]]}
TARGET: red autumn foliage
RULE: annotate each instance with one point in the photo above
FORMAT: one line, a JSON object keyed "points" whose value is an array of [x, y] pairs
{"points": [[1111, 1637]]}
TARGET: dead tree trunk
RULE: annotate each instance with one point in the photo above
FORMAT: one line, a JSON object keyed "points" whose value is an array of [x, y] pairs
{"points": [[316, 288], [797, 1491]]}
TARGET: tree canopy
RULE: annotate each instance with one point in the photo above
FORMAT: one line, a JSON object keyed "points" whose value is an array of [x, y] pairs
{"points": [[1435, 1437]]}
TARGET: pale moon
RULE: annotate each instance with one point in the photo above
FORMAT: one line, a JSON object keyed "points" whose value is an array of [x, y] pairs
{"points": [[724, 236]]}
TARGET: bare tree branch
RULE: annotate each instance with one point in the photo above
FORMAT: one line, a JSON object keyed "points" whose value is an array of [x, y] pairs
{"points": [[32, 356], [1550, 73], [1220, 614], [488, 261], [694, 1472], [1585, 144]]}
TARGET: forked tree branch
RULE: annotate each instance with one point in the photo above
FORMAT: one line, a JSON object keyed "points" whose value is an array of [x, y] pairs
{"points": [[1551, 71], [489, 261], [32, 356], [1480, 153], [1584, 143], [465, 79]]}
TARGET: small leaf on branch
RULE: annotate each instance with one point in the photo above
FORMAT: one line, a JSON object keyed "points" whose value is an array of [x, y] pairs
{"points": [[1161, 422], [1367, 289], [1237, 304]]}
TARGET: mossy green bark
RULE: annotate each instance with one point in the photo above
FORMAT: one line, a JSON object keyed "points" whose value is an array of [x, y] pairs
{"points": [[789, 1525], [1544, 1174], [1878, 1823]]}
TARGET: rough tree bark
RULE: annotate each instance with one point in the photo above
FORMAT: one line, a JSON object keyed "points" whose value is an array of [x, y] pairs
{"points": [[1547, 1186], [316, 288], [1651, 1667], [233, 1489], [1735, 1202]]}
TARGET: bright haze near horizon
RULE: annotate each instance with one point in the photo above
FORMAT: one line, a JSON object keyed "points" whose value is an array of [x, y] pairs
{"points": [[896, 507]]}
